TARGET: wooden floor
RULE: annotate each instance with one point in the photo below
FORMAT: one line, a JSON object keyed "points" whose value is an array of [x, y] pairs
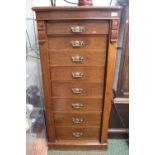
{"points": [[116, 147]]}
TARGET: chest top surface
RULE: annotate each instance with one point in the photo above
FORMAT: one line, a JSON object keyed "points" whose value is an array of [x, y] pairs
{"points": [[53, 13]]}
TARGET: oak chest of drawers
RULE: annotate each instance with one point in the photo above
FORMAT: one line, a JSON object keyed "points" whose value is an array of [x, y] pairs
{"points": [[77, 50]]}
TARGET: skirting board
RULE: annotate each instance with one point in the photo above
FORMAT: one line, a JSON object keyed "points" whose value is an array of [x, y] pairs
{"points": [[69, 145]]}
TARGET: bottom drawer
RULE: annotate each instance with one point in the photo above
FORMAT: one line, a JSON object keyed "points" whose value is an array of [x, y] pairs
{"points": [[77, 133]]}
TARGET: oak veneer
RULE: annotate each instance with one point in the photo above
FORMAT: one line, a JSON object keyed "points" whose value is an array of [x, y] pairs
{"points": [[89, 133], [64, 57], [83, 128], [66, 104], [93, 74], [90, 42], [64, 89], [91, 27], [89, 119]]}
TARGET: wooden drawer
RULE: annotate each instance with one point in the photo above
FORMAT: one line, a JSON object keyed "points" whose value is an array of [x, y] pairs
{"points": [[90, 42], [77, 119], [77, 133], [76, 105], [88, 74], [66, 57], [88, 27], [64, 89]]}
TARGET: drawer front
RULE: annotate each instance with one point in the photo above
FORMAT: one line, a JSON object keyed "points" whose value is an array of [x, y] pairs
{"points": [[76, 90], [77, 119], [90, 27], [77, 133], [77, 74], [76, 105], [77, 42], [73, 57]]}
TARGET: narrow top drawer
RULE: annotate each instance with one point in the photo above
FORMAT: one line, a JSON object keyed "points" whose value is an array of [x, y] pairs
{"points": [[88, 27]]}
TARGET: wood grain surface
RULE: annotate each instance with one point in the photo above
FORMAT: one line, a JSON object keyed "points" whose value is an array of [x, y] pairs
{"points": [[90, 27], [64, 57], [65, 104], [88, 133], [90, 42], [89, 119], [64, 89], [88, 74]]}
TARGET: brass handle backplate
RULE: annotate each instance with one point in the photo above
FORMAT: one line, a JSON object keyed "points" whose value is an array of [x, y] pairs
{"points": [[77, 29], [77, 120], [77, 90], [77, 58], [77, 43], [77, 134], [77, 105], [77, 74]]}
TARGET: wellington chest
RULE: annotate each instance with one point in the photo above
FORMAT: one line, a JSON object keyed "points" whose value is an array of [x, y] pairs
{"points": [[77, 50]]}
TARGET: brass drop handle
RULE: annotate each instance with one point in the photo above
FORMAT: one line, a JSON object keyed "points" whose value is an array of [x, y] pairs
{"points": [[77, 74], [77, 134], [77, 120], [77, 43], [77, 29], [77, 58], [77, 90], [77, 105]]}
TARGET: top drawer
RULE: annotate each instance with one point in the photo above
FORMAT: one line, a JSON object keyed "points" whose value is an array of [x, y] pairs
{"points": [[89, 27]]}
